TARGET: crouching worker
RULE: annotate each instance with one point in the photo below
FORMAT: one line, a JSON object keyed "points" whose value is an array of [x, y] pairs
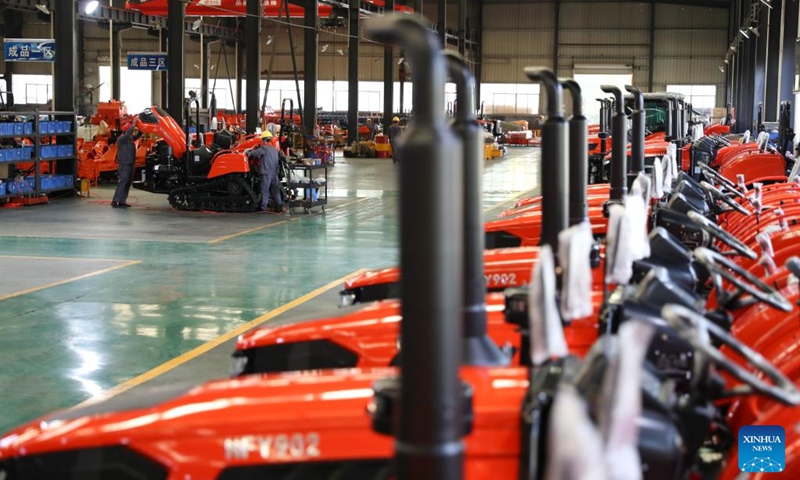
{"points": [[269, 164]]}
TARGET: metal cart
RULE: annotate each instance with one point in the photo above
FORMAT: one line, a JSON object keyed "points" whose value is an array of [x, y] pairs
{"points": [[307, 193]]}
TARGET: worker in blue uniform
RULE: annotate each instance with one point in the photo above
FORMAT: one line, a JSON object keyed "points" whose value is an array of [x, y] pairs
{"points": [[394, 135], [269, 165], [126, 160]]}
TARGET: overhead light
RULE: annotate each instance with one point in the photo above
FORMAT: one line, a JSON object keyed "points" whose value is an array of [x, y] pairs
{"points": [[43, 8], [726, 61], [91, 7], [340, 51], [722, 69], [401, 60], [754, 31], [197, 66], [270, 39], [744, 32], [324, 47], [196, 25], [766, 2], [733, 48]]}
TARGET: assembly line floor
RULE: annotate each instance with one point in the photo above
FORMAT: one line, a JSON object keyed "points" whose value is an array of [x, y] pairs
{"points": [[96, 301]]}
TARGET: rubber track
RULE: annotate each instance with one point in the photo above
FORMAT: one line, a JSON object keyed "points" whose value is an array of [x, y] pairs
{"points": [[212, 196]]}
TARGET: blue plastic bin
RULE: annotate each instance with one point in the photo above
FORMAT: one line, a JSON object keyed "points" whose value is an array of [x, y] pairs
{"points": [[6, 128], [64, 150], [2, 189], [27, 128], [46, 128], [18, 128]]}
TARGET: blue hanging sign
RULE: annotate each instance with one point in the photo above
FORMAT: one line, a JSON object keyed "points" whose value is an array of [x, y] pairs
{"points": [[148, 61], [29, 50]]}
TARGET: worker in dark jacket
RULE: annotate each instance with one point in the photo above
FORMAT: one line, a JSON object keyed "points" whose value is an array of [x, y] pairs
{"points": [[269, 165], [394, 136], [126, 159]]}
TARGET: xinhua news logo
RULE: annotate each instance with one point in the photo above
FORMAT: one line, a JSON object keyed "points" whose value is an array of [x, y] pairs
{"points": [[762, 449]]}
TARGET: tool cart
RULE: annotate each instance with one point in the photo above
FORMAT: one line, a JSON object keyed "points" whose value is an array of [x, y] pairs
{"points": [[308, 185]]}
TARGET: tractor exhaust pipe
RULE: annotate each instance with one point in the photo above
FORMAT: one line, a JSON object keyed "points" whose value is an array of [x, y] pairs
{"points": [[619, 145], [430, 427], [578, 153], [637, 131], [669, 133], [676, 120], [478, 348], [555, 185], [603, 118]]}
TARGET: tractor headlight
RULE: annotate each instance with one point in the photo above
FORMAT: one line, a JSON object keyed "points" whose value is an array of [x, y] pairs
{"points": [[347, 298], [239, 364]]}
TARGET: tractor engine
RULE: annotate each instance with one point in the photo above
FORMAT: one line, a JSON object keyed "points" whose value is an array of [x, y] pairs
{"points": [[162, 172]]}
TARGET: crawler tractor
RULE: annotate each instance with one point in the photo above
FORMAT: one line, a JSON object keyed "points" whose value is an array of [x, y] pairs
{"points": [[196, 176]]}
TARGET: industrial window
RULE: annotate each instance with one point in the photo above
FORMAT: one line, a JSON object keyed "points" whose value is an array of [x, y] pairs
{"points": [[32, 89], [510, 98], [135, 88], [591, 84], [702, 97]]}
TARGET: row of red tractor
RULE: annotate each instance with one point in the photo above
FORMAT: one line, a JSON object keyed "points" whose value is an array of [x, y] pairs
{"points": [[616, 331]]}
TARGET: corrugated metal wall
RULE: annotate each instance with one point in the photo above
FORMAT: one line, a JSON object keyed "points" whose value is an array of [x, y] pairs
{"points": [[689, 43]]}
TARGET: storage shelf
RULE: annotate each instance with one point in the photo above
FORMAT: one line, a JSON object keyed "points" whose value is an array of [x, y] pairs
{"points": [[37, 119]]}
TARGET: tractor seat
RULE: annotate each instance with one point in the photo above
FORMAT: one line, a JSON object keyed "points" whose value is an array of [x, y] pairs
{"points": [[668, 253]]}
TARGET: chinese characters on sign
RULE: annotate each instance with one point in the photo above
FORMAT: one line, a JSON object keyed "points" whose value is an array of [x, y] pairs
{"points": [[147, 61], [29, 50]]}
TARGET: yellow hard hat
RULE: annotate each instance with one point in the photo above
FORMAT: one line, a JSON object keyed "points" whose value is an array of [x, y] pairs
{"points": [[266, 134], [396, 119]]}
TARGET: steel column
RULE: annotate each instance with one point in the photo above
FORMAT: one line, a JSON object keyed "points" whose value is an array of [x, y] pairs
{"points": [[311, 65], [441, 22], [774, 40], [239, 75], [462, 28], [115, 60], [352, 74], [176, 31], [478, 67], [162, 75], [205, 65], [788, 51], [388, 78], [64, 18], [556, 32], [252, 26], [760, 66], [652, 56], [13, 24]]}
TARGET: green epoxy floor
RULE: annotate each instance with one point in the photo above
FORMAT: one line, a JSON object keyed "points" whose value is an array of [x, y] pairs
{"points": [[166, 282]]}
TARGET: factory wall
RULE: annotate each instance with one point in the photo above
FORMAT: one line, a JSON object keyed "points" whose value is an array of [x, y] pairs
{"points": [[687, 45]]}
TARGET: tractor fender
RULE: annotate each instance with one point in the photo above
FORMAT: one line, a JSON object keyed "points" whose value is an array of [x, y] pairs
{"points": [[225, 163], [756, 167]]}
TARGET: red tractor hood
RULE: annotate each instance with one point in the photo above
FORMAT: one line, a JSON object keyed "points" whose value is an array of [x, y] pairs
{"points": [[266, 420], [156, 121], [370, 330], [504, 261]]}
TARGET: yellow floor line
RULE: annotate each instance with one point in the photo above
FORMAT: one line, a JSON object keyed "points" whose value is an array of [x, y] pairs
{"points": [[72, 279], [41, 257], [206, 347], [102, 239], [244, 232], [498, 205]]}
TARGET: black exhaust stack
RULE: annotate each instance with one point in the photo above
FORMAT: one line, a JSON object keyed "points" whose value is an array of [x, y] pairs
{"points": [[637, 131], [430, 426], [669, 132], [619, 145], [578, 153], [478, 348], [555, 185]]}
